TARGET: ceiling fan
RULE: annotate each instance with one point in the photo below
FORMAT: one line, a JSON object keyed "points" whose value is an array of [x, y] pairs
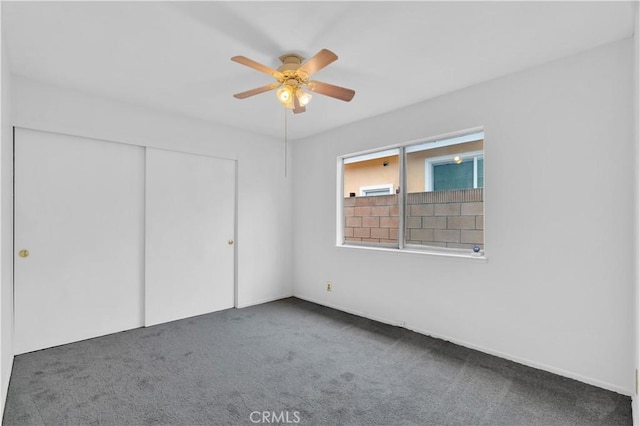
{"points": [[293, 76]]}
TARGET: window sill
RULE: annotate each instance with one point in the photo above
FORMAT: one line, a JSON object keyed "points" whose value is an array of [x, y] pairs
{"points": [[419, 251]]}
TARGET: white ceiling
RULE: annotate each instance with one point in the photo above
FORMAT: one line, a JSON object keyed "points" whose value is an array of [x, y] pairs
{"points": [[175, 55]]}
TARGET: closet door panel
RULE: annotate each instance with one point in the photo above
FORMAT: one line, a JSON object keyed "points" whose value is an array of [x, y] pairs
{"points": [[190, 226], [79, 212]]}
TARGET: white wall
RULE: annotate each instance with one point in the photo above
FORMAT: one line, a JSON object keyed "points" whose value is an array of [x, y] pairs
{"points": [[557, 289], [6, 231], [636, 109], [264, 211]]}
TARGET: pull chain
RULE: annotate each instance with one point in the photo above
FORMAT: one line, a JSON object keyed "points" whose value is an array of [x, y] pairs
{"points": [[285, 142]]}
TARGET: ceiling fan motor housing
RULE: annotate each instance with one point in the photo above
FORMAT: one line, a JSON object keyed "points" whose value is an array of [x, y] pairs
{"points": [[290, 62]]}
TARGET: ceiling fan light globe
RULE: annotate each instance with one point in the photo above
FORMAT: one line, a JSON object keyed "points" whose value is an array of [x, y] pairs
{"points": [[303, 97], [284, 94]]}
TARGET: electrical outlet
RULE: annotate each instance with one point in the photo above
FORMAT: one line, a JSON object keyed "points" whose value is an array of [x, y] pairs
{"points": [[328, 285]]}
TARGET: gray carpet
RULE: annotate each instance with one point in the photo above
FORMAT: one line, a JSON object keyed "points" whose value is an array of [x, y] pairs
{"points": [[300, 362]]}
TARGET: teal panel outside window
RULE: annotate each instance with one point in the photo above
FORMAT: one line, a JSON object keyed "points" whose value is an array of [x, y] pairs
{"points": [[453, 176], [480, 173]]}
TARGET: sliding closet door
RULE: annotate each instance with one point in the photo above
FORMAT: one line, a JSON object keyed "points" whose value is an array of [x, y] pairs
{"points": [[79, 238], [190, 223]]}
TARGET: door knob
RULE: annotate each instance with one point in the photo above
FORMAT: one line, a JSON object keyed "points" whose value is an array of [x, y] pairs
{"points": [[230, 242], [23, 253]]}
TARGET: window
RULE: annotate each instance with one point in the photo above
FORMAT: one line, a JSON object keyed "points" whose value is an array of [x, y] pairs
{"points": [[370, 191], [427, 195], [462, 171], [372, 216]]}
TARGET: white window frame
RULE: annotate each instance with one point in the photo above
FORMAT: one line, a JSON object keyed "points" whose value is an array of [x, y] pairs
{"points": [[402, 149], [435, 161], [387, 186]]}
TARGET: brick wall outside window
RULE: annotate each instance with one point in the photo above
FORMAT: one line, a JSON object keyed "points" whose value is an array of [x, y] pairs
{"points": [[452, 219]]}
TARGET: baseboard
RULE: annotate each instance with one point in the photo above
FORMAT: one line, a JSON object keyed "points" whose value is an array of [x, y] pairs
{"points": [[261, 301], [6, 378], [510, 357], [347, 310]]}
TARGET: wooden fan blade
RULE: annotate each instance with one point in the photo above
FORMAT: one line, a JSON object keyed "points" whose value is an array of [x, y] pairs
{"points": [[297, 108], [256, 91], [330, 90], [258, 66], [316, 63]]}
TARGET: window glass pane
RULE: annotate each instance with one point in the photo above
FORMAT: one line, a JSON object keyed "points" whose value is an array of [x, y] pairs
{"points": [[480, 172], [371, 184], [442, 207], [453, 175]]}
